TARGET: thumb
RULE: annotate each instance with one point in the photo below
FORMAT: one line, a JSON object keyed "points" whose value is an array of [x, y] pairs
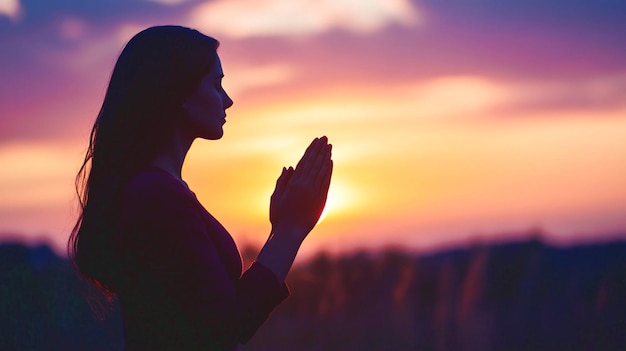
{"points": [[283, 179]]}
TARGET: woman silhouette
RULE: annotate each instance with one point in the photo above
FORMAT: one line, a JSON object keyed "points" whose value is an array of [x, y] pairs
{"points": [[142, 234]]}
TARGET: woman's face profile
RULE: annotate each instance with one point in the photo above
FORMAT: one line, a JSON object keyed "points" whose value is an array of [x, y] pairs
{"points": [[206, 106]]}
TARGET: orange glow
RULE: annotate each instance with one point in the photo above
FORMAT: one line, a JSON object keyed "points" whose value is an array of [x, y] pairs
{"points": [[405, 174], [396, 171], [424, 159]]}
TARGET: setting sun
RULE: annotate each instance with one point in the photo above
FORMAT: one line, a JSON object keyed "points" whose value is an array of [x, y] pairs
{"points": [[433, 139]]}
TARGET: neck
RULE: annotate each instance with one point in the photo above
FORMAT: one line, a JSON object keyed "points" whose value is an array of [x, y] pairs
{"points": [[172, 156]]}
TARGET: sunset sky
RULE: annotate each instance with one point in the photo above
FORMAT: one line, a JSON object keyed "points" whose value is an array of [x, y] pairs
{"points": [[452, 121]]}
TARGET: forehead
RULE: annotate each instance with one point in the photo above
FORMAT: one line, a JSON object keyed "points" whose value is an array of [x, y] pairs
{"points": [[216, 69]]}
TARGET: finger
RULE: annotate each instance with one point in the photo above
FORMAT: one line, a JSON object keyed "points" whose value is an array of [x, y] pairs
{"points": [[280, 185], [309, 160], [322, 158], [284, 177], [289, 174], [308, 151], [327, 176], [280, 182], [317, 166], [313, 149], [305, 159], [322, 179]]}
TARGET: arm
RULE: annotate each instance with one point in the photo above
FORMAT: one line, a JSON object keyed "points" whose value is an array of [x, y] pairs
{"points": [[180, 268], [296, 206]]}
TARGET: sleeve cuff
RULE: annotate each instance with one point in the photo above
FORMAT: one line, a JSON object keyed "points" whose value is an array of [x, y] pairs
{"points": [[264, 292], [277, 287]]}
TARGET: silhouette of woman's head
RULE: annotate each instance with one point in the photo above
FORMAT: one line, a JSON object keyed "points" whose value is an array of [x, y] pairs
{"points": [[156, 72]]}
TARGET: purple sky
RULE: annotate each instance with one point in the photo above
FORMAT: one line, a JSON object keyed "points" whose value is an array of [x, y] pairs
{"points": [[456, 67], [565, 41]]}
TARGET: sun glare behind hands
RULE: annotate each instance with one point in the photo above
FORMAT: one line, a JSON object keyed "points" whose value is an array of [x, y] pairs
{"points": [[340, 200]]}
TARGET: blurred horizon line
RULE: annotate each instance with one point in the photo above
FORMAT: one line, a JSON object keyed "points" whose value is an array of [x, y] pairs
{"points": [[248, 249]]}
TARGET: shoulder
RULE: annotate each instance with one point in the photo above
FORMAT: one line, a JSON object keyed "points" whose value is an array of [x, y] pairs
{"points": [[154, 203], [156, 188], [158, 217]]}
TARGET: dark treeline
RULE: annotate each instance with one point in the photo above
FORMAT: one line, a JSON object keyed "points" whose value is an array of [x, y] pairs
{"points": [[521, 296], [43, 305]]}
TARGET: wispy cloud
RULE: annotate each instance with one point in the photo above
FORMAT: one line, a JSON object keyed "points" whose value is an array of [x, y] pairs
{"points": [[11, 9], [72, 28], [461, 97], [259, 18], [246, 77], [168, 2]]}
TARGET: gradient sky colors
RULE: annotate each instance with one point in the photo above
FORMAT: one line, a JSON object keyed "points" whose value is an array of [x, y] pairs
{"points": [[452, 121]]}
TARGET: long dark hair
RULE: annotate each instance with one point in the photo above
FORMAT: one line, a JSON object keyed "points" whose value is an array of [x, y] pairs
{"points": [[156, 71]]}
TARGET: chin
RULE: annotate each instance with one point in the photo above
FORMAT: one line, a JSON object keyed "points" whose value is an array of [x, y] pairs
{"points": [[213, 135]]}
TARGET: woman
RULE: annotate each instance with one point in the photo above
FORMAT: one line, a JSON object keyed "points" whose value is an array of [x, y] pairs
{"points": [[142, 234]]}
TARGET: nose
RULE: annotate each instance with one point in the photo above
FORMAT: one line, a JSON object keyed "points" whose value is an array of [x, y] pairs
{"points": [[226, 100]]}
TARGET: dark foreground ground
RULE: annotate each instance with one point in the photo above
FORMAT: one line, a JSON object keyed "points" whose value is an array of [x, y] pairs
{"points": [[522, 296]]}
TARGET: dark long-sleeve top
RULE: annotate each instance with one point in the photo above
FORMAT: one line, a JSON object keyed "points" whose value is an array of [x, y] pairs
{"points": [[181, 285]]}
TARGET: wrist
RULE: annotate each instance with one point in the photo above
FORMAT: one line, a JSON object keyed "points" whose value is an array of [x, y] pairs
{"points": [[289, 233], [278, 254]]}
